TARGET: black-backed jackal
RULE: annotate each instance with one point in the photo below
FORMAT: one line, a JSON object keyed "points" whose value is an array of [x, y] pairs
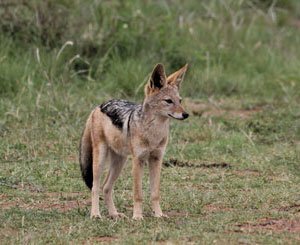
{"points": [[118, 128]]}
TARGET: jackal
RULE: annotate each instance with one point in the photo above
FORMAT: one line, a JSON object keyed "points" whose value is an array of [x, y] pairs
{"points": [[118, 128]]}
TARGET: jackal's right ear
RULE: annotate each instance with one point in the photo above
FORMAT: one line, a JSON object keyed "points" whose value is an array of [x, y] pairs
{"points": [[157, 80]]}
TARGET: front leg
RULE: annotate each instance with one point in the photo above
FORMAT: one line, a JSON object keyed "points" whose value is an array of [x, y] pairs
{"points": [[155, 162], [137, 172]]}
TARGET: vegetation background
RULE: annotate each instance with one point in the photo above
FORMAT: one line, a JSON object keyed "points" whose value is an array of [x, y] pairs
{"points": [[231, 172]]}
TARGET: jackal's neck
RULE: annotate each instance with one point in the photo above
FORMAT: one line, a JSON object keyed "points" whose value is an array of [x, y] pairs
{"points": [[151, 117]]}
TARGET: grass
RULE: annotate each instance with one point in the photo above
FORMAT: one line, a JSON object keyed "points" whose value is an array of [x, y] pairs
{"points": [[237, 174]]}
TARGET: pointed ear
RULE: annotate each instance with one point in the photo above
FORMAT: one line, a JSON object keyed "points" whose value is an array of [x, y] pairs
{"points": [[157, 80], [177, 77]]}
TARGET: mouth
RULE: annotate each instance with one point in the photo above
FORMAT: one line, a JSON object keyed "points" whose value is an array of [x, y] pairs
{"points": [[176, 117]]}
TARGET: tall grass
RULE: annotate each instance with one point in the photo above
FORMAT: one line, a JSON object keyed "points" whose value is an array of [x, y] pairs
{"points": [[234, 48]]}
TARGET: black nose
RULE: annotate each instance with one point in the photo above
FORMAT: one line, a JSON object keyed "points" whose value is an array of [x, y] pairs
{"points": [[185, 115]]}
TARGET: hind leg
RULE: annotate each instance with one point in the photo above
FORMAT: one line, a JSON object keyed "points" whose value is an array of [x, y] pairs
{"points": [[99, 157], [116, 165]]}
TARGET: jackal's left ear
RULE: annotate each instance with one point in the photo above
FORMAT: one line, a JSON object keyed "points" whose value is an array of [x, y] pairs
{"points": [[177, 77], [157, 80]]}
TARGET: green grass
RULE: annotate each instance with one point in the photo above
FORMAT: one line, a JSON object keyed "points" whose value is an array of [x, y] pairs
{"points": [[244, 72]]}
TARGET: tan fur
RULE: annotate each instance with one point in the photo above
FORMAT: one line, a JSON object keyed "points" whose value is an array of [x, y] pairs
{"points": [[146, 143]]}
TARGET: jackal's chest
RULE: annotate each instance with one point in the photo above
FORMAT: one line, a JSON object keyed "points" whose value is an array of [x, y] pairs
{"points": [[144, 142], [154, 139]]}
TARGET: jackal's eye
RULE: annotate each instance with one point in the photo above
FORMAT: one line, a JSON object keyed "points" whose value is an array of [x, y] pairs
{"points": [[169, 101], [180, 100]]}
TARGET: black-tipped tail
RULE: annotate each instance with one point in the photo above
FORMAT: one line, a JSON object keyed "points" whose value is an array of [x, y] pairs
{"points": [[86, 158]]}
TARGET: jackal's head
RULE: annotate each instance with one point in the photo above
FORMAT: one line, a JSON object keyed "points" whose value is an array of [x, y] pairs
{"points": [[162, 93]]}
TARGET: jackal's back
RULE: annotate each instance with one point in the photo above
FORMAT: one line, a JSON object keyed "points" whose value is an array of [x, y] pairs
{"points": [[120, 112]]}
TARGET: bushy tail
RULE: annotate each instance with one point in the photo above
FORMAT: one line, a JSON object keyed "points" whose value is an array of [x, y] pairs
{"points": [[86, 157]]}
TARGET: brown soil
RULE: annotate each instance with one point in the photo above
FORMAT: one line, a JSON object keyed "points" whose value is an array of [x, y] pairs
{"points": [[8, 232], [62, 202], [273, 225], [202, 109], [246, 172], [295, 208], [173, 162]]}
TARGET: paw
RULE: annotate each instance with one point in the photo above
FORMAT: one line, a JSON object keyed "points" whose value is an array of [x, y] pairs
{"points": [[117, 215], [137, 217], [95, 216]]}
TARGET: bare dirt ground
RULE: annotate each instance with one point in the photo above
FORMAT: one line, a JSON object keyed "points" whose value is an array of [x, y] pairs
{"points": [[218, 109], [273, 225], [61, 202]]}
